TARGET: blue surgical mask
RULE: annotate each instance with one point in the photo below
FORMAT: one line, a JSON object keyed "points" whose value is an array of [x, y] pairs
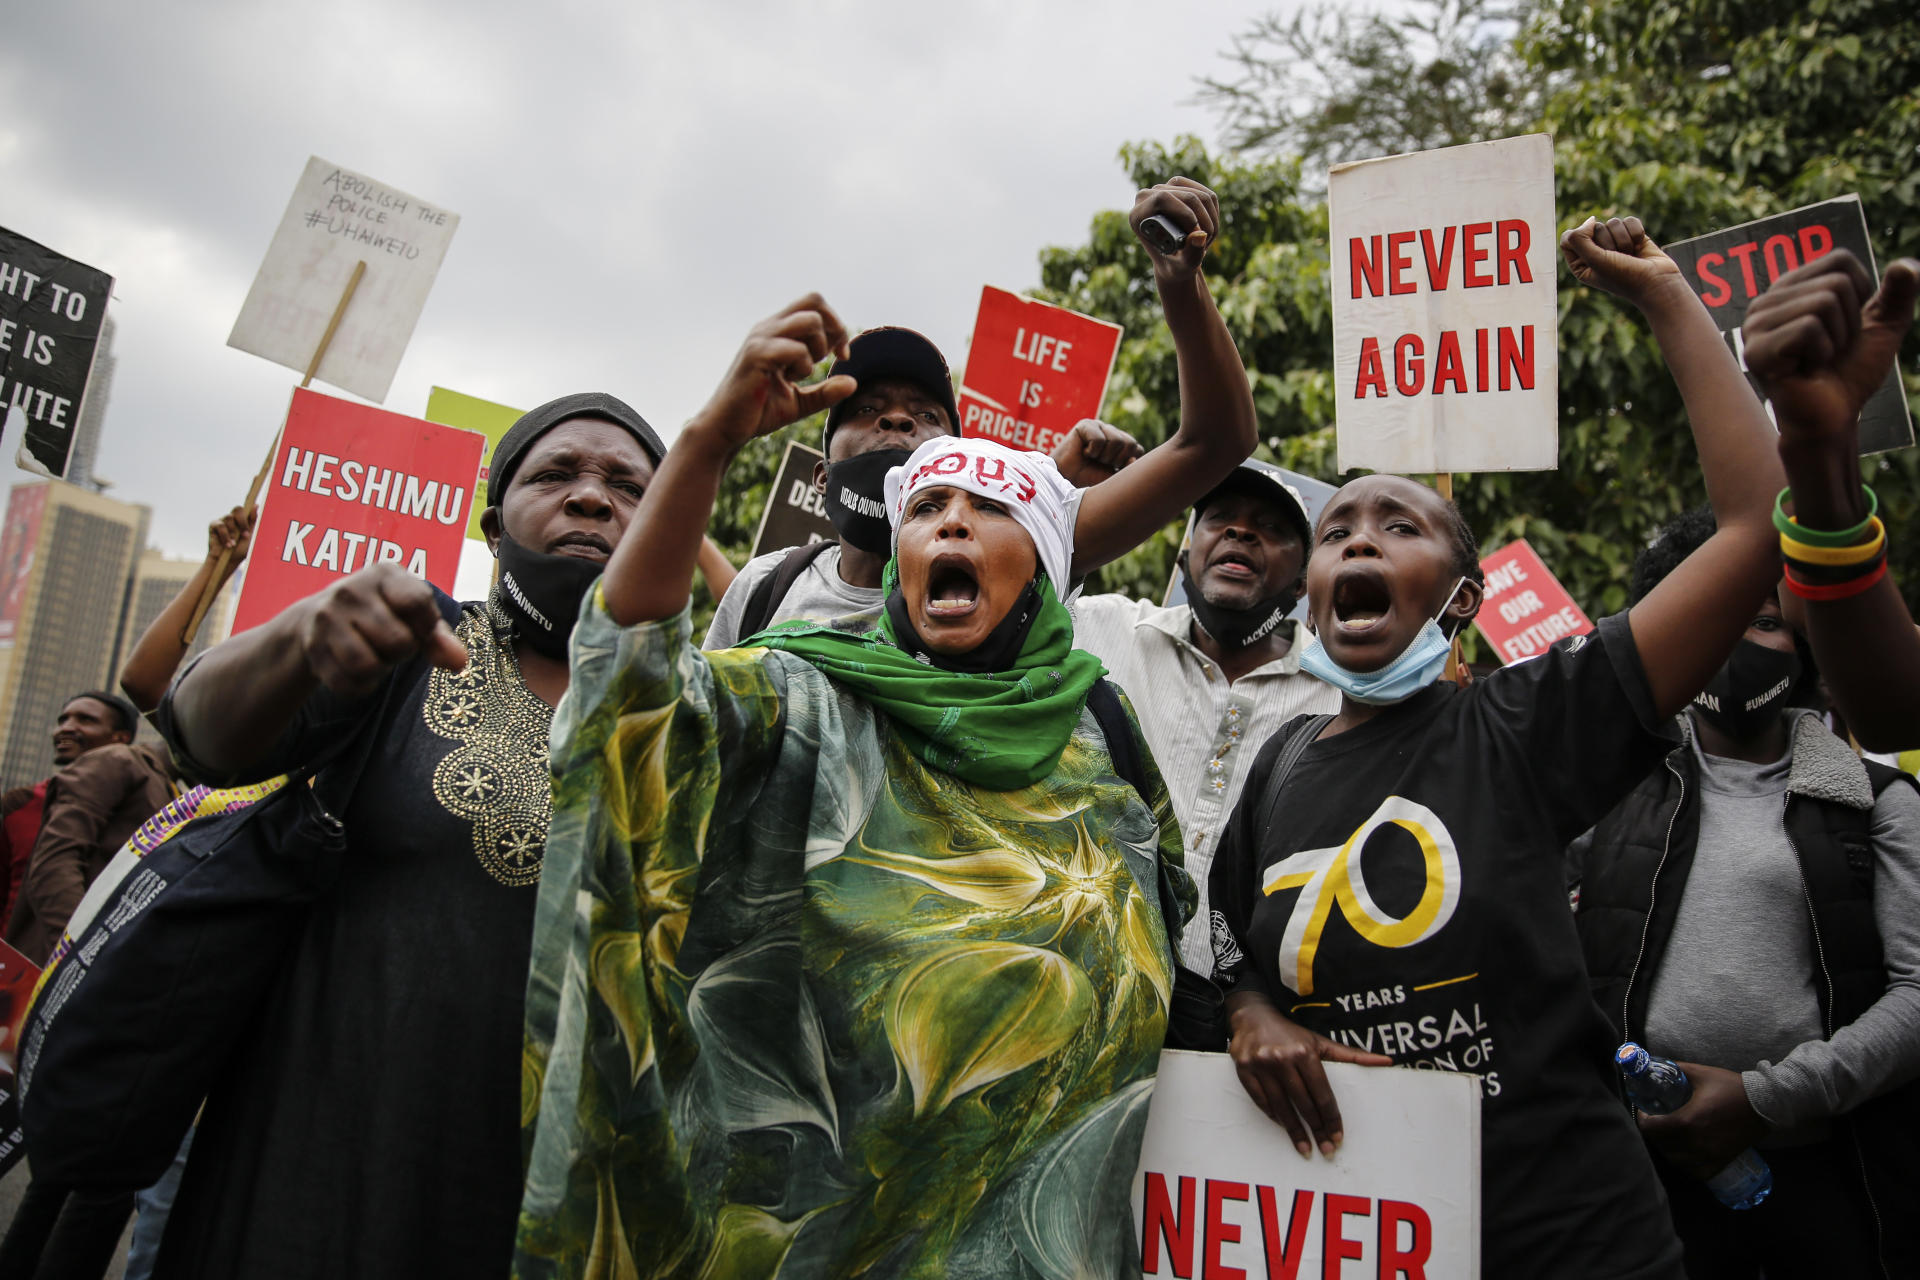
{"points": [[1418, 665]]}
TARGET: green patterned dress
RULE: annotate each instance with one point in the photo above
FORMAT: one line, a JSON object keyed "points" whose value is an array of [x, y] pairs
{"points": [[802, 1006]]}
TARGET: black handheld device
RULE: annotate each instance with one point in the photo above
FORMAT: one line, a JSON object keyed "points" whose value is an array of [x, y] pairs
{"points": [[1162, 236]]}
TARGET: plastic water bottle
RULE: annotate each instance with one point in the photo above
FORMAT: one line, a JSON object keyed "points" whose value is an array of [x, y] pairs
{"points": [[1658, 1086]]}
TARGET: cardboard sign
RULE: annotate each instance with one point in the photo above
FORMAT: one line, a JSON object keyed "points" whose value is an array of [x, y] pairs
{"points": [[1730, 268], [1315, 493], [796, 512], [18, 975], [51, 309], [336, 218], [1444, 323], [1033, 371], [1525, 608], [354, 486], [1220, 1185], [26, 509], [469, 413]]}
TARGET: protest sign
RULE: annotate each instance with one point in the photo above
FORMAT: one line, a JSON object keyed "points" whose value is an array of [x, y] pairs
{"points": [[17, 978], [1033, 371], [1315, 493], [1220, 1185], [796, 512], [1525, 608], [51, 309], [352, 486], [469, 413], [338, 218], [1444, 345], [1730, 268]]}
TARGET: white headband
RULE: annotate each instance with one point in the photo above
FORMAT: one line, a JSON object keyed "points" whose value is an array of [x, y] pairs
{"points": [[1028, 484]]}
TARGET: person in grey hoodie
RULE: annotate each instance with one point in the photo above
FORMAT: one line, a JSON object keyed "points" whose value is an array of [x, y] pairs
{"points": [[1752, 910]]}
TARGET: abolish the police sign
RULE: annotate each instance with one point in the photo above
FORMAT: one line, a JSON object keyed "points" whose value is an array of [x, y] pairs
{"points": [[51, 308], [1221, 1191], [1444, 352], [1730, 268]]}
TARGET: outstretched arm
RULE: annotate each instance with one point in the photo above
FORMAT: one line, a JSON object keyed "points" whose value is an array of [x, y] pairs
{"points": [[1686, 626], [1821, 341], [1217, 429], [650, 575], [156, 657]]}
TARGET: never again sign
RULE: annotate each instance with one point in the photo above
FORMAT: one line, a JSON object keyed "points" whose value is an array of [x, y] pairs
{"points": [[1444, 345]]}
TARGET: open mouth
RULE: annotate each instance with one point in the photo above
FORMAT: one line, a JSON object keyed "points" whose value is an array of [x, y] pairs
{"points": [[952, 589], [1232, 564], [1361, 601], [582, 546]]}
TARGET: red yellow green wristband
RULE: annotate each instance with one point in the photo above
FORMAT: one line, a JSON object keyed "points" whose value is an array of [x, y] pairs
{"points": [[1835, 590], [1791, 528]]}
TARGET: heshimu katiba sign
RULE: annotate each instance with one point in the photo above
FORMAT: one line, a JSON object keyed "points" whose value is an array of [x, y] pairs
{"points": [[1443, 270], [1221, 1191], [354, 486], [1525, 608], [1033, 371]]}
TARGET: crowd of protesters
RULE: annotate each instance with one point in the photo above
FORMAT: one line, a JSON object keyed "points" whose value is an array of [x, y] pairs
{"points": [[847, 944]]}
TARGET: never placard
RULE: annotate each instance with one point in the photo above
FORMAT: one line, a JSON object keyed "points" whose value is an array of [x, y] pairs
{"points": [[1730, 268], [1525, 608], [796, 512], [354, 486], [470, 413], [51, 309], [1033, 370], [1444, 344], [1220, 1185], [336, 218]]}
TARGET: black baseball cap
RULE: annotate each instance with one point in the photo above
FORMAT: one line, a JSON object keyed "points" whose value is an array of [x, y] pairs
{"points": [[1266, 481], [893, 353]]}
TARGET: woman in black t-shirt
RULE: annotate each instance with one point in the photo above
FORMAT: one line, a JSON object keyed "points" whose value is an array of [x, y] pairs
{"points": [[1407, 904]]}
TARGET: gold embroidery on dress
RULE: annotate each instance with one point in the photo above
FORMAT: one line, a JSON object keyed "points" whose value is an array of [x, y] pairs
{"points": [[497, 778]]}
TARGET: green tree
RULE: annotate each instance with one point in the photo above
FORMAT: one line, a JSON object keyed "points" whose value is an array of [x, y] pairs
{"points": [[1693, 116]]}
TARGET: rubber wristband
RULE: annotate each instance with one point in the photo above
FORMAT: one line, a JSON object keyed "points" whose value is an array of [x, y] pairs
{"points": [[1859, 553], [1791, 528], [1837, 590]]}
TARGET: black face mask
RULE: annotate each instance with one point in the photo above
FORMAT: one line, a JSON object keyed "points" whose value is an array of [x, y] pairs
{"points": [[1748, 691], [542, 594], [998, 652], [1235, 628], [856, 503]]}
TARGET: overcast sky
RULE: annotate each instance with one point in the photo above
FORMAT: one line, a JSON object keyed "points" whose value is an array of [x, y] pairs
{"points": [[637, 183]]}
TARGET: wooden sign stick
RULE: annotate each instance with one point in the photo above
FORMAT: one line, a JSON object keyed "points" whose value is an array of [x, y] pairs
{"points": [[214, 583]]}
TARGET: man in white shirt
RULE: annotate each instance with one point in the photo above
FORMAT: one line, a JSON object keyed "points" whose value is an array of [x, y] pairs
{"points": [[1212, 678]]}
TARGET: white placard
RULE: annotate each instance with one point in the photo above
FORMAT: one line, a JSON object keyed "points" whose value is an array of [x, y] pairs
{"points": [[1221, 1186], [1444, 324], [336, 218]]}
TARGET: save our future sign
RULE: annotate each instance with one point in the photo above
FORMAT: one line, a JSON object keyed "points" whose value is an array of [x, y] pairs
{"points": [[51, 310], [1525, 608], [353, 486], [1444, 273], [1033, 371]]}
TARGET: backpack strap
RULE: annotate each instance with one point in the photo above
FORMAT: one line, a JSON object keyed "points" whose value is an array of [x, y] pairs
{"points": [[1301, 734], [773, 588], [1104, 701]]}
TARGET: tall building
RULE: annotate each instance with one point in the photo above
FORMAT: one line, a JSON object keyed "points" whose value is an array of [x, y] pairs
{"points": [[66, 557]]}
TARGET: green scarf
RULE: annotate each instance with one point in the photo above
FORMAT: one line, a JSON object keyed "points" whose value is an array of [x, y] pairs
{"points": [[997, 730]]}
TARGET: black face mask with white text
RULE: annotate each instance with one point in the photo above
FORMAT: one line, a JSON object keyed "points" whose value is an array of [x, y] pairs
{"points": [[542, 594], [1749, 690], [1235, 628], [856, 501]]}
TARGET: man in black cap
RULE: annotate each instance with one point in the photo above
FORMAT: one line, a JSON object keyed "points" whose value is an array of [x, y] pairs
{"points": [[905, 396], [1211, 679], [368, 1125]]}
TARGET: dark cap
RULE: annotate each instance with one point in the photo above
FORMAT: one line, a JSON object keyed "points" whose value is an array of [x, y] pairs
{"points": [[892, 353], [1266, 481], [535, 423]]}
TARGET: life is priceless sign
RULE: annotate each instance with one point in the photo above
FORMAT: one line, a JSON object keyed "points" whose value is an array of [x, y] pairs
{"points": [[1525, 608], [1033, 371], [1443, 269], [335, 219], [354, 486], [1730, 268], [1221, 1191]]}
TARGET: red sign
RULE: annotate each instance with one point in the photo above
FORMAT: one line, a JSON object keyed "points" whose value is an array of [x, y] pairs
{"points": [[1525, 609], [26, 508], [1033, 371], [354, 486]]}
